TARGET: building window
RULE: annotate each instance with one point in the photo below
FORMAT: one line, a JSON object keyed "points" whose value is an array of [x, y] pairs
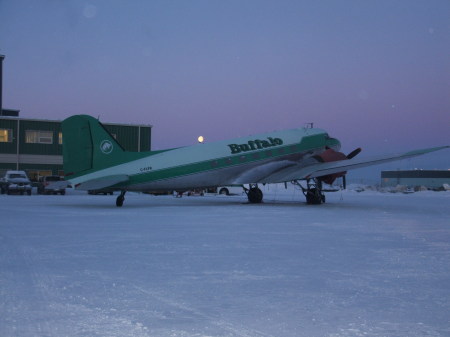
{"points": [[5, 135], [38, 137], [34, 175], [60, 138]]}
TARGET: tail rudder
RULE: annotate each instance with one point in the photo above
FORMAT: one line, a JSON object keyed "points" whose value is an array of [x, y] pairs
{"points": [[88, 146]]}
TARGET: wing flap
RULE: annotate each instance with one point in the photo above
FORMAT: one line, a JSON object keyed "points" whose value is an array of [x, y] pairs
{"points": [[261, 172]]}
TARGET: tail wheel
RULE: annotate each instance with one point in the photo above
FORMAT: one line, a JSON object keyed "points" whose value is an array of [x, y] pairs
{"points": [[120, 199]]}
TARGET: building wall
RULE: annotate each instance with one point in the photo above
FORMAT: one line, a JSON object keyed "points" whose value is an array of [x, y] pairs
{"points": [[129, 135], [53, 148], [427, 178], [9, 147], [46, 158]]}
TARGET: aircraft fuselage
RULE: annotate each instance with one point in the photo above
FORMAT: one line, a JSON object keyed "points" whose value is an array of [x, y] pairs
{"points": [[220, 163]]}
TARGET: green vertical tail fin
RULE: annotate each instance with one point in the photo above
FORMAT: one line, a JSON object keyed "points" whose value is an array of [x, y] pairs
{"points": [[88, 146]]}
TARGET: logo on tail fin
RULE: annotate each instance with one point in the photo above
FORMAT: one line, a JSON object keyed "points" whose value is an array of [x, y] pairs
{"points": [[106, 147]]}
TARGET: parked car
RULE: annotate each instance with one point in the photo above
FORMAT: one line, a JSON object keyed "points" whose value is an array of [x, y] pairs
{"points": [[47, 185], [15, 182], [230, 190]]}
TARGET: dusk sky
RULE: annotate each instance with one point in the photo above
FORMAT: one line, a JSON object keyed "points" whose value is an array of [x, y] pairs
{"points": [[374, 74]]}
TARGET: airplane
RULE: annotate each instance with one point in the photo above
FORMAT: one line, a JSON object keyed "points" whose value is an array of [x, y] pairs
{"points": [[94, 160]]}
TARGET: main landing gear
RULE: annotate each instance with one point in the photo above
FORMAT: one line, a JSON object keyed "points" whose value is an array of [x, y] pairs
{"points": [[120, 199], [254, 194], [313, 191]]}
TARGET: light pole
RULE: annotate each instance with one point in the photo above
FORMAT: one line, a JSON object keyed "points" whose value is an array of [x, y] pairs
{"points": [[2, 57]]}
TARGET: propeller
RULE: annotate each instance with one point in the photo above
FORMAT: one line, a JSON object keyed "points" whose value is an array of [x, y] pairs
{"points": [[354, 153]]}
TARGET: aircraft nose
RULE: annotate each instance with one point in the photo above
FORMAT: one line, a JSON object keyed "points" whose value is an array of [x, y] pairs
{"points": [[333, 143]]}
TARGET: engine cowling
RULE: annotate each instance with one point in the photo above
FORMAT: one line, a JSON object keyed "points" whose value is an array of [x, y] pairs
{"points": [[331, 155]]}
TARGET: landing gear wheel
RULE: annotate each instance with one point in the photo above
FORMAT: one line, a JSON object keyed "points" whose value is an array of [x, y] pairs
{"points": [[120, 199], [313, 191], [254, 195], [314, 197]]}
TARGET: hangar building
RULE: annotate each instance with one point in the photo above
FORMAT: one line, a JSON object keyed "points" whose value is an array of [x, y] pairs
{"points": [[35, 145], [432, 179]]}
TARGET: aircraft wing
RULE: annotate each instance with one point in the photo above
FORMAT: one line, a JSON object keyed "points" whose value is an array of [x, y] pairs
{"points": [[288, 171], [103, 182]]}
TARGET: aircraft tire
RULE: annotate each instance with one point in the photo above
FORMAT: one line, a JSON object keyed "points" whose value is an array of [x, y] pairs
{"points": [[255, 195], [119, 201], [314, 197]]}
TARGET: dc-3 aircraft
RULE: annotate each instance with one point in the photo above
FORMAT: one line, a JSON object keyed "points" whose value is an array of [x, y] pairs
{"points": [[94, 160]]}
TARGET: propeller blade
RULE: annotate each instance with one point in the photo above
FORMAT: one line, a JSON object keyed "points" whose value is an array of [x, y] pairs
{"points": [[344, 182], [353, 153]]}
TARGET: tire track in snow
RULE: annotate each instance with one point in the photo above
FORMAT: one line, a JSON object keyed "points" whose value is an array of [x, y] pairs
{"points": [[31, 302], [232, 328]]}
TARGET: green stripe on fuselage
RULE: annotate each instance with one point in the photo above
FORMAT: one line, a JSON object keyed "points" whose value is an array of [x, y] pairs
{"points": [[307, 144]]}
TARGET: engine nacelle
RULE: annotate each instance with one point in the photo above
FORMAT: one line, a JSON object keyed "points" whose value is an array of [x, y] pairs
{"points": [[330, 155]]}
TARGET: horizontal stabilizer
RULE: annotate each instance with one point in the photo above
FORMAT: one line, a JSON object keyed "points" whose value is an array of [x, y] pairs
{"points": [[299, 172], [103, 182], [56, 185]]}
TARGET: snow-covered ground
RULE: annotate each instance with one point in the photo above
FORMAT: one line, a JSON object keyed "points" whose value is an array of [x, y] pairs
{"points": [[363, 264]]}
